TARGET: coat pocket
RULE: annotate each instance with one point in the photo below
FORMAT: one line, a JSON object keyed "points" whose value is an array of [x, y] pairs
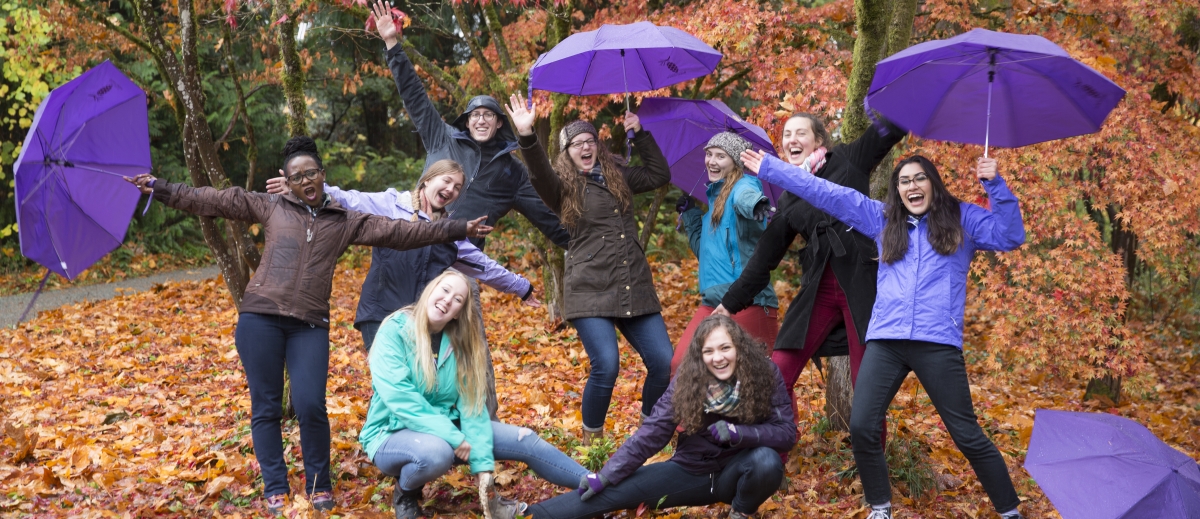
{"points": [[588, 265]]}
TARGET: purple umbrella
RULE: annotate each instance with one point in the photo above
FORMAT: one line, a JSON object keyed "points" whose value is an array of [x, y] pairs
{"points": [[986, 87], [690, 123], [1098, 465], [73, 204]]}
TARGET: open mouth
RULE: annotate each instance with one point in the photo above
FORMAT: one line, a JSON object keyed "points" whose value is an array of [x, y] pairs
{"points": [[310, 193], [441, 307], [442, 199], [916, 199], [795, 154]]}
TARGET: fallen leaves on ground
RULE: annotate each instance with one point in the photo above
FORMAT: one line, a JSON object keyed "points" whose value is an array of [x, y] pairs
{"points": [[137, 407]]}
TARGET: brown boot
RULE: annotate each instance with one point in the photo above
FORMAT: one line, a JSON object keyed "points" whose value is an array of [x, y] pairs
{"points": [[734, 514], [590, 436]]}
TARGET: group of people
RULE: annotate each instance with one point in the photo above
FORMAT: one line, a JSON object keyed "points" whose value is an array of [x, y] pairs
{"points": [[885, 280]]}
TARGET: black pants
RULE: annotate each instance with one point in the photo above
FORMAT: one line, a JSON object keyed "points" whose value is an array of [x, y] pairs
{"points": [[266, 343], [943, 374], [746, 482]]}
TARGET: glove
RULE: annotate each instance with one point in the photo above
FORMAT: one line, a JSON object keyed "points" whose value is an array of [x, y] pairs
{"points": [[725, 432], [762, 209], [591, 485], [684, 203]]}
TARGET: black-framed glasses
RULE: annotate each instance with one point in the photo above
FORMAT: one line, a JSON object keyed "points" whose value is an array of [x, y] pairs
{"points": [[311, 174], [921, 178], [486, 115], [579, 145]]}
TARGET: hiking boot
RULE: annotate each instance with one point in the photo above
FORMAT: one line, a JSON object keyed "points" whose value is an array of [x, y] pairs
{"points": [[407, 503], [323, 501], [880, 513], [734, 514], [590, 436], [275, 504], [505, 508]]}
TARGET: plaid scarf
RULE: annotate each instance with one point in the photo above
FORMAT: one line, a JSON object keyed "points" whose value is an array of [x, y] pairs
{"points": [[721, 398]]}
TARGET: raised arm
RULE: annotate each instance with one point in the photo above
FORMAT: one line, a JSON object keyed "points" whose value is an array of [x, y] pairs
{"points": [[434, 132], [530, 204], [655, 172], [473, 262], [542, 178], [1002, 228], [869, 149], [840, 202]]}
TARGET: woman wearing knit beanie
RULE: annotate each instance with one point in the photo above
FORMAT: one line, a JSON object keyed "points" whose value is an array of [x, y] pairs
{"points": [[608, 286], [724, 237]]}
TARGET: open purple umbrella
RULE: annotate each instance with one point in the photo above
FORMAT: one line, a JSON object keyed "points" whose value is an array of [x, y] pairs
{"points": [[1101, 466], [73, 204], [689, 124], [991, 88]]}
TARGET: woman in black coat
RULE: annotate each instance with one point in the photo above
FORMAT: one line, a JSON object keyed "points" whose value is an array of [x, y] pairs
{"points": [[839, 265]]}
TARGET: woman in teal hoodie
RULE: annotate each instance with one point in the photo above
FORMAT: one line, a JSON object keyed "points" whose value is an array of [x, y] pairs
{"points": [[724, 237], [429, 376]]}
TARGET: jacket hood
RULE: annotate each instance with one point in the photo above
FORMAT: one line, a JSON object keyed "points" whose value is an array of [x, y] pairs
{"points": [[505, 133]]}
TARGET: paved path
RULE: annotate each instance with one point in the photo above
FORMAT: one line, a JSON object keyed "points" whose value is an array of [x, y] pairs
{"points": [[12, 306]]}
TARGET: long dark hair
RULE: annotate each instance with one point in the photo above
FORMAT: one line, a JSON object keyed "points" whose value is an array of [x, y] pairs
{"points": [[945, 215], [753, 369], [573, 183]]}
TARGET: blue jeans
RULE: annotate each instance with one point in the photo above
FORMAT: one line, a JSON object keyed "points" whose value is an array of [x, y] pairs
{"points": [[648, 335], [943, 374], [266, 343], [749, 480], [417, 458]]}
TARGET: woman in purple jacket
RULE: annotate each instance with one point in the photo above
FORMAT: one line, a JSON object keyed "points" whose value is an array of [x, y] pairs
{"points": [[926, 239], [735, 414]]}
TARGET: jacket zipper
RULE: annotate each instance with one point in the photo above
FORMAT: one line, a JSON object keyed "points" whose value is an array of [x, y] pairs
{"points": [[304, 249], [912, 305]]}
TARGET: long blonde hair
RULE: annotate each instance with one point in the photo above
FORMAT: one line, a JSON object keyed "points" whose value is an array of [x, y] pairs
{"points": [[465, 335], [441, 167], [718, 208]]}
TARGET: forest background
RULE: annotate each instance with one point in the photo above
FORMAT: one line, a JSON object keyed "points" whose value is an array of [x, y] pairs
{"points": [[1105, 291]]}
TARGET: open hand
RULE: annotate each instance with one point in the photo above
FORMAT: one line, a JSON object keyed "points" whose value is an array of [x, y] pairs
{"points": [[753, 160], [522, 118], [384, 23], [532, 301], [144, 182], [477, 229], [985, 168], [277, 185]]}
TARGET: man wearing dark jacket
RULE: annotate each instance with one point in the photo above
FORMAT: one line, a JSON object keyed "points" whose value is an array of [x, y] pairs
{"points": [[481, 140]]}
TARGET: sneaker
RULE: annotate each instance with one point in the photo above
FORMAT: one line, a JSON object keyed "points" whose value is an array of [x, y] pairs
{"points": [[276, 503], [734, 514], [407, 503], [880, 513], [323, 501]]}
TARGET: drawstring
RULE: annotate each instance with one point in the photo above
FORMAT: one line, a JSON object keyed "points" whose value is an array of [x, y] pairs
{"points": [[712, 488]]}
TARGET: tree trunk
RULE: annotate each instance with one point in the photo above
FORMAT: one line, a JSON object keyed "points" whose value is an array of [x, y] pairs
{"points": [[293, 73], [648, 224], [839, 392], [899, 35], [554, 266]]}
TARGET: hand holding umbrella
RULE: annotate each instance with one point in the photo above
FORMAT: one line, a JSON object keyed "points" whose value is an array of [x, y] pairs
{"points": [[985, 168]]}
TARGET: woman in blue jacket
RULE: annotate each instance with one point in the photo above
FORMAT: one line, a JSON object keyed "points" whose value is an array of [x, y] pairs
{"points": [[724, 237], [926, 239], [735, 420], [427, 413]]}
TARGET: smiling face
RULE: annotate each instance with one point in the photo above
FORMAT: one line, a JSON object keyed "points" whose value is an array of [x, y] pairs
{"points": [[799, 140], [441, 190], [311, 191], [719, 354], [447, 300], [483, 124], [915, 188], [718, 164], [582, 150]]}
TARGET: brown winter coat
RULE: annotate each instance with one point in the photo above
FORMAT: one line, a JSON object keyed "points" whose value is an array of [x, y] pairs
{"points": [[606, 270], [295, 276]]}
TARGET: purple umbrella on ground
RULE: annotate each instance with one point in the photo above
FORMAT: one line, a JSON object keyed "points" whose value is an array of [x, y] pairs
{"points": [[73, 203], [1102, 466], [690, 123], [991, 88]]}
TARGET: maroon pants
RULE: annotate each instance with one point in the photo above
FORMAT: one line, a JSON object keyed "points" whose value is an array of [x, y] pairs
{"points": [[762, 323], [829, 310]]}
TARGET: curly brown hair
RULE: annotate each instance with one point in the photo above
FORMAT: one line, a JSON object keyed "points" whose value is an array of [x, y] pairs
{"points": [[573, 183], [753, 369]]}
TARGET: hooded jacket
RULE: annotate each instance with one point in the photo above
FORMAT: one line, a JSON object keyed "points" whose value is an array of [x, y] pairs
{"points": [[495, 183], [922, 296], [302, 245], [404, 274], [700, 453], [724, 250]]}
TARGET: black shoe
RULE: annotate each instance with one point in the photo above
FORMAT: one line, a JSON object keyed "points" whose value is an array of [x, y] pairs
{"points": [[407, 503]]}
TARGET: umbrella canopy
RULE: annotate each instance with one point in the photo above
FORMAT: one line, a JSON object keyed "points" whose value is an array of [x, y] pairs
{"points": [[1102, 466], [73, 204], [688, 124], [622, 58], [986, 87]]}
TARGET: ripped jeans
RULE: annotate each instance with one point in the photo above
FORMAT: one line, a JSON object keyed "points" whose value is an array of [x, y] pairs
{"points": [[418, 458]]}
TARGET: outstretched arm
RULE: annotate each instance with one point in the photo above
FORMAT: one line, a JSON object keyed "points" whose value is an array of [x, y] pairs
{"points": [[233, 203], [473, 262], [841, 202], [771, 248]]}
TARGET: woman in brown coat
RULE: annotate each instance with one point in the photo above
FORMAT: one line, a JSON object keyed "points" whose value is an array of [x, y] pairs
{"points": [[284, 316], [608, 281]]}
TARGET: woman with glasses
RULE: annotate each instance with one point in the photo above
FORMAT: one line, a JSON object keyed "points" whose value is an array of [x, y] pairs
{"points": [[926, 238], [608, 284], [283, 319]]}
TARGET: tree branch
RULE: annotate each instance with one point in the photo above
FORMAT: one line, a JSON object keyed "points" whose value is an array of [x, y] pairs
{"points": [[728, 81], [251, 142], [460, 16], [444, 80], [492, 18], [293, 73]]}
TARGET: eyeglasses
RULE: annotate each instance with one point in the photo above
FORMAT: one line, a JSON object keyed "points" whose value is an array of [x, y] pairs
{"points": [[486, 115], [579, 145], [921, 178], [311, 174]]}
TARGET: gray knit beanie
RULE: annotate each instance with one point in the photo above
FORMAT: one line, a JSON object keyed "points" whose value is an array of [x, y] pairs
{"points": [[575, 128], [733, 145]]}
